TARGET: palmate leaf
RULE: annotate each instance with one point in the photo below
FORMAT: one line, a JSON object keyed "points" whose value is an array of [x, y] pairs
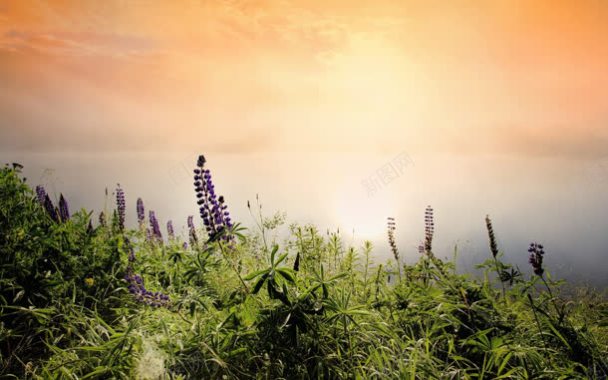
{"points": [[310, 290], [258, 285], [276, 294], [237, 230], [268, 276], [284, 297], [275, 248], [272, 291], [337, 277], [287, 274], [280, 260], [253, 275]]}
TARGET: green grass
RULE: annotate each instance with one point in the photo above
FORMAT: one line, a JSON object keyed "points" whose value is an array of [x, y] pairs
{"points": [[308, 306]]}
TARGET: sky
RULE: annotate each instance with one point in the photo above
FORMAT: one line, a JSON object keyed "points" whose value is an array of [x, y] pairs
{"points": [[499, 106]]}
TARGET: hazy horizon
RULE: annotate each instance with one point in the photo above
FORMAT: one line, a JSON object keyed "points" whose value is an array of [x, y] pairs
{"points": [[330, 192]]}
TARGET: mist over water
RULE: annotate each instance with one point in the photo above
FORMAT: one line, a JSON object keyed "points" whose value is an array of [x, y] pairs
{"points": [[560, 203]]}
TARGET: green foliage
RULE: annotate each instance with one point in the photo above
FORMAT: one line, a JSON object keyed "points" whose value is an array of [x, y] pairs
{"points": [[305, 307]]}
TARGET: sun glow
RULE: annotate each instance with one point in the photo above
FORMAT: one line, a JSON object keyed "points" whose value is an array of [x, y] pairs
{"points": [[365, 215]]}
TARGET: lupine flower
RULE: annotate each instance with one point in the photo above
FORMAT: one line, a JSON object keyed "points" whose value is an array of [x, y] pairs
{"points": [[185, 246], [102, 219], [131, 256], [493, 246], [136, 285], [201, 161], [141, 214], [191, 222], [155, 228], [50, 208], [429, 230], [120, 208], [192, 232], [391, 238], [213, 209], [64, 211], [40, 194], [170, 230], [138, 290], [537, 252]]}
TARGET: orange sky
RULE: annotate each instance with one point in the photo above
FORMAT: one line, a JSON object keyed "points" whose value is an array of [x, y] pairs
{"points": [[521, 77]]}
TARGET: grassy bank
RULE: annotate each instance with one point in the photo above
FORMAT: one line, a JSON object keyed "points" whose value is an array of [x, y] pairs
{"points": [[82, 296]]}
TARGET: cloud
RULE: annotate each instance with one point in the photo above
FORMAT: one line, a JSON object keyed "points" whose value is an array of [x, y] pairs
{"points": [[70, 44], [314, 75]]}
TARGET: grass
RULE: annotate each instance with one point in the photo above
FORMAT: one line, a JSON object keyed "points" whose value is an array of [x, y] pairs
{"points": [[243, 304]]}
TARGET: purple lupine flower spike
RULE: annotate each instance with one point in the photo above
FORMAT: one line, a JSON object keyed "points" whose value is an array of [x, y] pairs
{"points": [[102, 219], [192, 231], [492, 237], [141, 214], [213, 209], [190, 222], [136, 285], [537, 251], [120, 207], [391, 237], [131, 256], [155, 226], [64, 211], [138, 290], [46, 202], [40, 194], [429, 230], [50, 208], [170, 230]]}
